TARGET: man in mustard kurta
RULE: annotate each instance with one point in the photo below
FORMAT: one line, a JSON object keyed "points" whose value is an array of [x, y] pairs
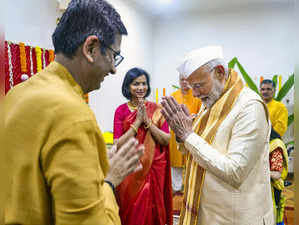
{"points": [[56, 156], [277, 110], [177, 159]]}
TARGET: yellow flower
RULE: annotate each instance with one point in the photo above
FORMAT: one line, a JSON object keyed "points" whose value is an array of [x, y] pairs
{"points": [[38, 52]]}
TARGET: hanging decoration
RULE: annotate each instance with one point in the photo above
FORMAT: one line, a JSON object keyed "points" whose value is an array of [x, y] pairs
{"points": [[11, 82], [31, 62], [44, 58], [24, 77], [86, 98], [23, 57], [38, 53], [51, 56], [22, 62]]}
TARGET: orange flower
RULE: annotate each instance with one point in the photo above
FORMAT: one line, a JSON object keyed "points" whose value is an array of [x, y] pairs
{"points": [[86, 98], [51, 55], [23, 58]]}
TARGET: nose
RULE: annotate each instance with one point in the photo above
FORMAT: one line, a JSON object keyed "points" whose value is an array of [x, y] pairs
{"points": [[196, 92], [113, 70], [140, 88]]}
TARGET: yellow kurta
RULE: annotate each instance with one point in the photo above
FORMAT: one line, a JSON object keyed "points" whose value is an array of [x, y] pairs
{"points": [[56, 155], [278, 116], [193, 104]]}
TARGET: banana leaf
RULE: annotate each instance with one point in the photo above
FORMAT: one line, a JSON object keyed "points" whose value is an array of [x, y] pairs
{"points": [[274, 79], [232, 63], [247, 78], [285, 88], [290, 119]]}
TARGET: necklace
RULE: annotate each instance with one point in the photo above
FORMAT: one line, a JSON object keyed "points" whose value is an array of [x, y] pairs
{"points": [[131, 106]]}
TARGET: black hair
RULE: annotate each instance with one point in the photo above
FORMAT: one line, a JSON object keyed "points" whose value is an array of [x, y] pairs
{"points": [[274, 134], [131, 75], [268, 81], [83, 18]]}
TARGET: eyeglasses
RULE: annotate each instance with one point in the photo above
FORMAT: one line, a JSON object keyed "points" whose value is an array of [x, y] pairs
{"points": [[118, 58]]}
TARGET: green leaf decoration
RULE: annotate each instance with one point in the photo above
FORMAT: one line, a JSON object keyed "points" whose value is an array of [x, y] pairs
{"points": [[232, 63], [290, 143], [247, 78], [175, 86], [274, 79], [285, 88], [290, 119]]}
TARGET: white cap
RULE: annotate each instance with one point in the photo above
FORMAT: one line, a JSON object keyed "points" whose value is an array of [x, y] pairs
{"points": [[197, 58]]}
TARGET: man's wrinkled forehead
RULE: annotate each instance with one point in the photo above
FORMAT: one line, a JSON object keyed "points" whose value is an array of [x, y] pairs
{"points": [[199, 75]]}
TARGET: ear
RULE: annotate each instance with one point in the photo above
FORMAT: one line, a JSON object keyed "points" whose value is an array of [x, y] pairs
{"points": [[220, 72], [89, 48]]}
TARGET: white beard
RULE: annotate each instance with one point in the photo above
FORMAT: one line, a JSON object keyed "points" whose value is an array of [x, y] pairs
{"points": [[215, 94]]}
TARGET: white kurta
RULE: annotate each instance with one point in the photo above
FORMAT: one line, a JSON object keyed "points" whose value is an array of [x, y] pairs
{"points": [[236, 190]]}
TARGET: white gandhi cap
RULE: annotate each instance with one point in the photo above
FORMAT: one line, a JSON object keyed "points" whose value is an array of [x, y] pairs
{"points": [[197, 58]]}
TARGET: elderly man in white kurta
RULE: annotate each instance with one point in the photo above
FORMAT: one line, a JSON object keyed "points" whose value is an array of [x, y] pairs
{"points": [[227, 174]]}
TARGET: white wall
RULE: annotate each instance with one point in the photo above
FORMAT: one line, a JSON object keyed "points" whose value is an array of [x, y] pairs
{"points": [[261, 38], [30, 21]]}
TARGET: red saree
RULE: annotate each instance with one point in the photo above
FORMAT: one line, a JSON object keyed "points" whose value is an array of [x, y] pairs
{"points": [[145, 197]]}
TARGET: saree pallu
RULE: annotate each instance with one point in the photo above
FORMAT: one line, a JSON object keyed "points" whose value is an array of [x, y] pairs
{"points": [[145, 197]]}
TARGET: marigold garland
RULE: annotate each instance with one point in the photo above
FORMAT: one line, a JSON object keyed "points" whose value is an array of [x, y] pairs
{"points": [[38, 52], [86, 98], [51, 55], [23, 61], [23, 57]]}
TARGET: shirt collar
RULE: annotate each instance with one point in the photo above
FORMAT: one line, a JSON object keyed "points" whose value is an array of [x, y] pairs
{"points": [[59, 70]]}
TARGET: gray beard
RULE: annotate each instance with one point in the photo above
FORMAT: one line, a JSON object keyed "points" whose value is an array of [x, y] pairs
{"points": [[216, 92]]}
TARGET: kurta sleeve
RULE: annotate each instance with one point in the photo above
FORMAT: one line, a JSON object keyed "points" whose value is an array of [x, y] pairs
{"points": [[249, 135], [280, 125], [73, 163]]}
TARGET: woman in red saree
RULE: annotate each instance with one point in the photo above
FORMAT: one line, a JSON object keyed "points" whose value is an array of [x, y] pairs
{"points": [[144, 197]]}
